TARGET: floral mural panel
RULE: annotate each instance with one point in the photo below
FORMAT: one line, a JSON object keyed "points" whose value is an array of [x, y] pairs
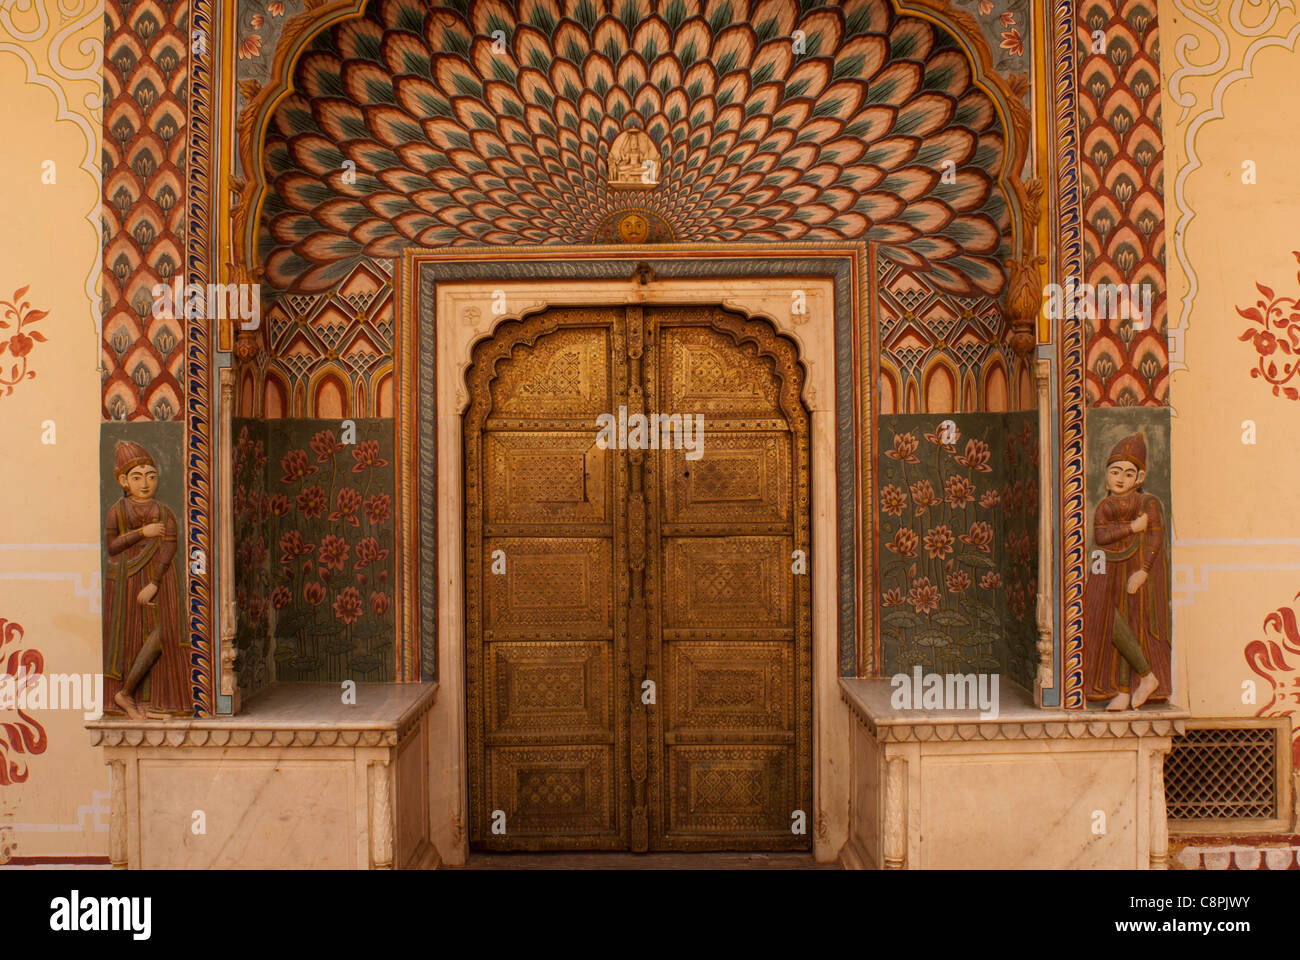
{"points": [[958, 515], [249, 501], [313, 506]]}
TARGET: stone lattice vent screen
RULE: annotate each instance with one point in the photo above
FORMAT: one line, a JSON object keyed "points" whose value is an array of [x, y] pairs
{"points": [[1230, 776]]}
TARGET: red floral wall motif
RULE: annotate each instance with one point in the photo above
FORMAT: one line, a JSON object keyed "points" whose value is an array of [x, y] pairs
{"points": [[1269, 659], [1276, 338], [314, 551], [20, 735], [958, 559], [1122, 168], [16, 343], [145, 77]]}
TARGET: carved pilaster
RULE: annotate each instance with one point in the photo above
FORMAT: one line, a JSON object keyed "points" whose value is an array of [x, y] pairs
{"points": [[226, 541], [637, 613], [895, 813], [1044, 680], [381, 816], [117, 815], [1159, 816]]}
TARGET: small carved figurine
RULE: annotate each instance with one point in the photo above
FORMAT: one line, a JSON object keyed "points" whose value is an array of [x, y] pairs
{"points": [[1126, 605], [145, 656]]}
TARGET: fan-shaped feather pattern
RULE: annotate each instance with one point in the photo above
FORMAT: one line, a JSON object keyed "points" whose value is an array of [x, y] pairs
{"points": [[871, 128], [405, 54]]}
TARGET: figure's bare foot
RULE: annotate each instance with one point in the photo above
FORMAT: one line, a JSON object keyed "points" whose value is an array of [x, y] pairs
{"points": [[1119, 703], [157, 714], [1145, 688], [130, 706]]}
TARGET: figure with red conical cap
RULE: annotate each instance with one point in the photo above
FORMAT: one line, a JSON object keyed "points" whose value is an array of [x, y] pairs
{"points": [[145, 657], [1126, 647]]}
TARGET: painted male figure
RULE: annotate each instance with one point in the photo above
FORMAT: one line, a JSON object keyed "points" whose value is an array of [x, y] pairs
{"points": [[145, 657], [1126, 607]]}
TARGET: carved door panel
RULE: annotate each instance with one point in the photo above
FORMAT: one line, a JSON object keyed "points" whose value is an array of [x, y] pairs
{"points": [[733, 619], [591, 571], [545, 556]]}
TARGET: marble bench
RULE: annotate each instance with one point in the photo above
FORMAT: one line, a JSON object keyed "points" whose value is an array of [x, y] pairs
{"points": [[297, 779], [1032, 788]]}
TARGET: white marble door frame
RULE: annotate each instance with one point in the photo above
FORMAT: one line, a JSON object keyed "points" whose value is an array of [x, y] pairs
{"points": [[465, 316]]}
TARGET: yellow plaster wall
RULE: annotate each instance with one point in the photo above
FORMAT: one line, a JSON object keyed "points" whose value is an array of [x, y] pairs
{"points": [[1236, 550], [1230, 98], [49, 551]]}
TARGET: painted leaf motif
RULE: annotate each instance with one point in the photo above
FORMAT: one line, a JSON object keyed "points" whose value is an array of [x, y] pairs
{"points": [[950, 618], [901, 617]]}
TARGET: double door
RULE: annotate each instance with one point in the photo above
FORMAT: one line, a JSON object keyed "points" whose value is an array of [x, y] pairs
{"points": [[638, 598]]}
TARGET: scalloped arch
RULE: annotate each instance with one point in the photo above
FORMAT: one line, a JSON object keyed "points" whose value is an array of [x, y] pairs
{"points": [[452, 142]]}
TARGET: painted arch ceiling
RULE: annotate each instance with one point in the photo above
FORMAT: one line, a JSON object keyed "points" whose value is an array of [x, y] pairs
{"points": [[457, 143]]}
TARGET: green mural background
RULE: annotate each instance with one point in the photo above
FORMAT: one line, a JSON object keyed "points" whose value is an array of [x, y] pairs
{"points": [[314, 551], [958, 545]]}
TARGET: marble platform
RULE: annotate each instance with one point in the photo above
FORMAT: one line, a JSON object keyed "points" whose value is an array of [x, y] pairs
{"points": [[297, 779], [1032, 788]]}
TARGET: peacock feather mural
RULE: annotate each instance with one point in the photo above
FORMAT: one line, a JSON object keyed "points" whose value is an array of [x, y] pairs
{"points": [[491, 122]]}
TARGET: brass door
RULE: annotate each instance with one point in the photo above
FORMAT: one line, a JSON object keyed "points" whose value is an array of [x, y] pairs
{"points": [[638, 642]]}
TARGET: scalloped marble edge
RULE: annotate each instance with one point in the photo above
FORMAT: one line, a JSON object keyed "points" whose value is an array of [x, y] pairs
{"points": [[943, 731], [236, 736]]}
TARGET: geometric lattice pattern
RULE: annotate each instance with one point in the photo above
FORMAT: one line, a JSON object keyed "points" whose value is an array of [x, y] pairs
{"points": [[145, 83], [345, 334], [1122, 172], [1223, 774], [926, 334], [770, 120]]}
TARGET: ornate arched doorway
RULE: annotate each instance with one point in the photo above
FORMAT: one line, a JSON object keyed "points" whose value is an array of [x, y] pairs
{"points": [[638, 605]]}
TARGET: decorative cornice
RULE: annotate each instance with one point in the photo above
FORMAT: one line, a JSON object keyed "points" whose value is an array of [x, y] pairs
{"points": [[165, 734], [1109, 727], [392, 727]]}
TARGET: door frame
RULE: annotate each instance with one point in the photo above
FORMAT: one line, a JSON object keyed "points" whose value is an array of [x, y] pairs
{"points": [[460, 311]]}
